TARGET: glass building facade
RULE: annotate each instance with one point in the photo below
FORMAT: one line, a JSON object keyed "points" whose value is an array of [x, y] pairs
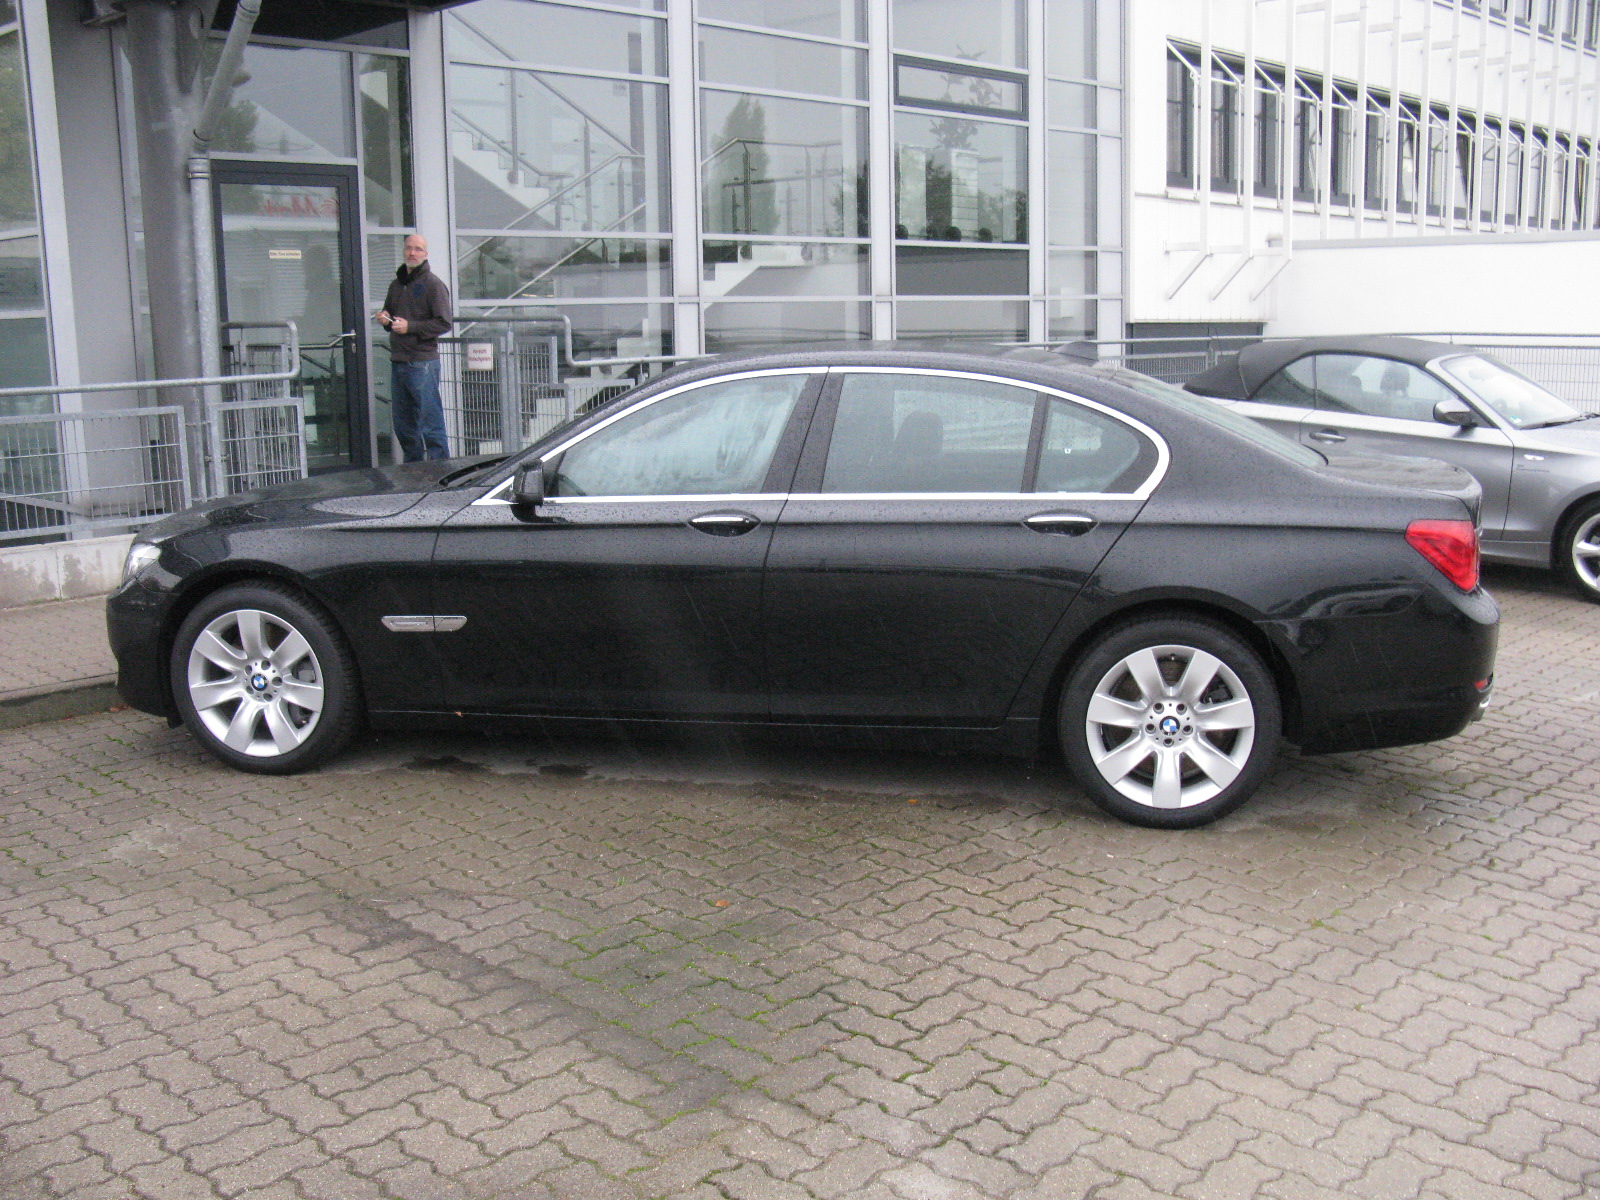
{"points": [[24, 324], [677, 177]]}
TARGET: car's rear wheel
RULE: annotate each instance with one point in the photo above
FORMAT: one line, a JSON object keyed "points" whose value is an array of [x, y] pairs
{"points": [[1580, 550], [263, 680], [1170, 722]]}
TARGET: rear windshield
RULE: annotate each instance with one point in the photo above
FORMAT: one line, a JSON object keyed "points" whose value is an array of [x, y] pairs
{"points": [[1212, 411]]}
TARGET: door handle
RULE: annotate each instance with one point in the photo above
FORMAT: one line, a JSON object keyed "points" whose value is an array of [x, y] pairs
{"points": [[1070, 524], [724, 524], [1329, 436]]}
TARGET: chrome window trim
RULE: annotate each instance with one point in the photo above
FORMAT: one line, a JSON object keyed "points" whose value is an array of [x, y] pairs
{"points": [[1142, 492], [493, 497]]}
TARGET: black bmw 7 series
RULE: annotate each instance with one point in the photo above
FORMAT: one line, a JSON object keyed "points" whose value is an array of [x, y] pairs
{"points": [[1007, 546]]}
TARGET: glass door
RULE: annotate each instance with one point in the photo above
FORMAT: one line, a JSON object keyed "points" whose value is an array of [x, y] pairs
{"points": [[287, 249]]}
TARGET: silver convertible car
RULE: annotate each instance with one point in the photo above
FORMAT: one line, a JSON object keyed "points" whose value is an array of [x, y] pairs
{"points": [[1537, 457]]}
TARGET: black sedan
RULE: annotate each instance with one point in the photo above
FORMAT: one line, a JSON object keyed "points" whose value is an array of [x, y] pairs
{"points": [[1006, 547]]}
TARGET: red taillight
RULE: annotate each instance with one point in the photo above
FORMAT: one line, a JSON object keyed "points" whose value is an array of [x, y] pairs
{"points": [[1452, 546]]}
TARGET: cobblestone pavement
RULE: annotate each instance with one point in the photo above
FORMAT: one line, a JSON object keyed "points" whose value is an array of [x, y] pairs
{"points": [[464, 968]]}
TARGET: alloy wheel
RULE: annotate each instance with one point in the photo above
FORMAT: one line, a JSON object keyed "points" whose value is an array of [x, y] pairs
{"points": [[1170, 726], [255, 683]]}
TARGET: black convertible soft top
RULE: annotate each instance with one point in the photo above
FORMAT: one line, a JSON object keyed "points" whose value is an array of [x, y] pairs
{"points": [[1239, 375]]}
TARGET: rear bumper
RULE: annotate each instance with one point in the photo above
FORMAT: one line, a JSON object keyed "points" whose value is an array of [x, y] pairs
{"points": [[1366, 682]]}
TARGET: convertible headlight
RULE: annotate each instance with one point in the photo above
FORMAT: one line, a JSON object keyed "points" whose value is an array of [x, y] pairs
{"points": [[140, 556]]}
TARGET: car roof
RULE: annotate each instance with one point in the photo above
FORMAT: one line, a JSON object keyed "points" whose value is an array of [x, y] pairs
{"points": [[1239, 375]]}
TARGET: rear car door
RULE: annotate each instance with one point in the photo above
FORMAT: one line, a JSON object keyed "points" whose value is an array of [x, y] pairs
{"points": [[916, 573], [634, 590], [1371, 405]]}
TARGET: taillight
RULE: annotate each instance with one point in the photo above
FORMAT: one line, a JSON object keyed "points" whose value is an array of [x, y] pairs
{"points": [[1452, 546]]}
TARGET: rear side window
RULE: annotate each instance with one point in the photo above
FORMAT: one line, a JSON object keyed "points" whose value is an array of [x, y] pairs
{"points": [[928, 433], [1087, 451]]}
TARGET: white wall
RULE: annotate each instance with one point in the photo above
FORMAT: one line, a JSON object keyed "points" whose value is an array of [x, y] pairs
{"points": [[1481, 285]]}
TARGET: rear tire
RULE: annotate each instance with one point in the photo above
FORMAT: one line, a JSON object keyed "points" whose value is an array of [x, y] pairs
{"points": [[264, 681], [1170, 722], [1578, 550]]}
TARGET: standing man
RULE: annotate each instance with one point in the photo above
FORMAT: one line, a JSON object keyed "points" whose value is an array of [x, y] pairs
{"points": [[415, 312]]}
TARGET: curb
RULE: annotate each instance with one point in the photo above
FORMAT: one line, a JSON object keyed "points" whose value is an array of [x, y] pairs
{"points": [[55, 702]]}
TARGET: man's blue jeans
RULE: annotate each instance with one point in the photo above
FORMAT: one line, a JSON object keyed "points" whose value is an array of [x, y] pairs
{"points": [[418, 412]]}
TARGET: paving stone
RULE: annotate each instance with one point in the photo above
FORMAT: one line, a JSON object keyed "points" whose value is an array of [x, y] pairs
{"points": [[443, 974]]}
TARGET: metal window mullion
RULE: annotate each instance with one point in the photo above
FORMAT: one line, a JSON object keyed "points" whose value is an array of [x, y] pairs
{"points": [[432, 192], [1325, 150], [685, 178], [1035, 146], [55, 258], [881, 153]]}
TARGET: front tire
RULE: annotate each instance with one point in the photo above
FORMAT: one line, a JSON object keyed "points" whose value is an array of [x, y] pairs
{"points": [[1170, 722], [1579, 550], [263, 680]]}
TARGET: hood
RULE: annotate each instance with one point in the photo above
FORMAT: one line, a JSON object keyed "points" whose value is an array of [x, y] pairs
{"points": [[363, 492], [1580, 437], [1421, 474]]}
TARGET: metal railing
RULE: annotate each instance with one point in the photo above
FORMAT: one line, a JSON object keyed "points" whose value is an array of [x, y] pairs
{"points": [[93, 472], [77, 474], [502, 389]]}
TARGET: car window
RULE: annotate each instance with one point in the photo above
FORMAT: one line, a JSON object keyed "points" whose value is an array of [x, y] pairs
{"points": [[1377, 387], [1087, 451], [928, 433], [1294, 385], [717, 439]]}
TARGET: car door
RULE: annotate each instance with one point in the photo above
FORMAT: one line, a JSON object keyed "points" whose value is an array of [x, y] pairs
{"points": [[1372, 405], [915, 573], [634, 589]]}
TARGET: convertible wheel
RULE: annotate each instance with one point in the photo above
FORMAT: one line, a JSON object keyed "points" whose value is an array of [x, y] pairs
{"points": [[1580, 550], [1170, 722], [263, 680]]}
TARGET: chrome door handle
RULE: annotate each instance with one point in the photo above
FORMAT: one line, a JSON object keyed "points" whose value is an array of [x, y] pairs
{"points": [[1070, 524], [725, 524], [1327, 435]]}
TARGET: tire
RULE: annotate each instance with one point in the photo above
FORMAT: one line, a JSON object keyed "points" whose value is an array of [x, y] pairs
{"points": [[1578, 550], [1153, 742], [264, 681]]}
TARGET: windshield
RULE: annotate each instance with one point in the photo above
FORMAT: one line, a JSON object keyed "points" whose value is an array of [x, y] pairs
{"points": [[1521, 401], [1214, 412]]}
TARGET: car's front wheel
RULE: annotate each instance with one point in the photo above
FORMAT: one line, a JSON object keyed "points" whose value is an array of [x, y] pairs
{"points": [[1170, 722], [1579, 550], [263, 680]]}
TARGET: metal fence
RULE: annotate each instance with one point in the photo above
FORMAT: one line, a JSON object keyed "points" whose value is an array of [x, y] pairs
{"points": [[258, 443], [77, 474], [97, 472], [503, 390]]}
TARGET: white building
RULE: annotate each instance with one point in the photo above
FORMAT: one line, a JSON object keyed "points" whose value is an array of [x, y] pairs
{"points": [[1364, 165]]}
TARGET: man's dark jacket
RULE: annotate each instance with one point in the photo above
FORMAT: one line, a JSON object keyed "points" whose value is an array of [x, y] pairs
{"points": [[422, 299]]}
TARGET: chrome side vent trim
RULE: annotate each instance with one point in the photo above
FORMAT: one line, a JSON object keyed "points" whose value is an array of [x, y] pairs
{"points": [[423, 623]]}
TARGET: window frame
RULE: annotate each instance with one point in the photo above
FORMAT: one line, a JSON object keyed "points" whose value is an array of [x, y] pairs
{"points": [[783, 455], [808, 479]]}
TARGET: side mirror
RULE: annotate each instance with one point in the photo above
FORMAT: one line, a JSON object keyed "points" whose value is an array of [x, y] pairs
{"points": [[528, 485], [1455, 412]]}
